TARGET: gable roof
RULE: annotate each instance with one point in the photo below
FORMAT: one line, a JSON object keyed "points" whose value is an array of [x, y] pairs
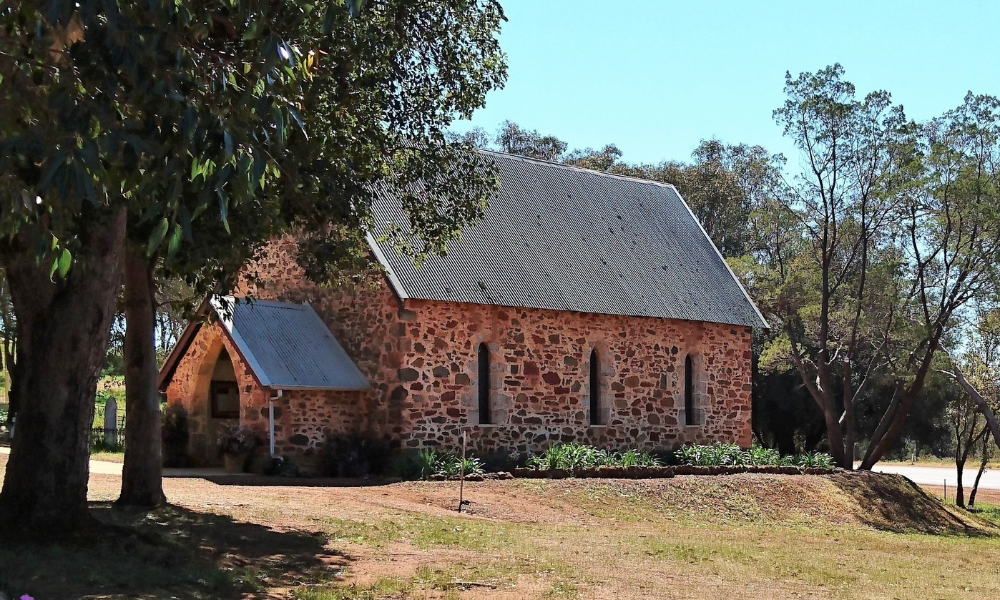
{"points": [[286, 346], [564, 238]]}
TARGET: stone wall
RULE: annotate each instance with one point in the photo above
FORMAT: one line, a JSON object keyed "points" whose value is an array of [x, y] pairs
{"points": [[421, 358], [540, 378]]}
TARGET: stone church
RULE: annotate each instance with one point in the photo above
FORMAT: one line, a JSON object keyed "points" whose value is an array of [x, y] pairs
{"points": [[583, 307]]}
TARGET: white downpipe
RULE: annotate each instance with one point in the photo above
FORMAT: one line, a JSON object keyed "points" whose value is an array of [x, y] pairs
{"points": [[270, 419]]}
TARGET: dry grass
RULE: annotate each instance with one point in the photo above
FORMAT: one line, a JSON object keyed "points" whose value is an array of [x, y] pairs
{"points": [[115, 457], [744, 536]]}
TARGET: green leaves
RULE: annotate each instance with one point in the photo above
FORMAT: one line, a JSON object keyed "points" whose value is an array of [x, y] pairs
{"points": [[61, 264], [270, 119], [174, 242], [156, 238]]}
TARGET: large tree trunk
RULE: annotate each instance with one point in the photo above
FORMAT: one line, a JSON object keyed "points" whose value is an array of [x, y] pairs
{"points": [[142, 474], [63, 328]]}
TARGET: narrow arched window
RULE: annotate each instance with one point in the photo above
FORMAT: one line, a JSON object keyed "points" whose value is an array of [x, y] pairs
{"points": [[595, 389], [689, 417], [484, 384]]}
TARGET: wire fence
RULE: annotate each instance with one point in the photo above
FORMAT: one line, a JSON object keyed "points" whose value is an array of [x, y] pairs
{"points": [[99, 416]]}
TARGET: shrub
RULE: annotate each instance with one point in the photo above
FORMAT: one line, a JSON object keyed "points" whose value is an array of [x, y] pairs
{"points": [[731, 455], [814, 460], [236, 439], [175, 435], [429, 463], [576, 457], [714, 455], [99, 444], [405, 466], [353, 455]]}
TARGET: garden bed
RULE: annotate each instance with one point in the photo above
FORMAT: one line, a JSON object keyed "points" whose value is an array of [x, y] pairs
{"points": [[658, 472]]}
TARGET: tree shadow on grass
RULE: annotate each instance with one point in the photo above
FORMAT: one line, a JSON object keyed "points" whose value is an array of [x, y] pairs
{"points": [[171, 552], [894, 503]]}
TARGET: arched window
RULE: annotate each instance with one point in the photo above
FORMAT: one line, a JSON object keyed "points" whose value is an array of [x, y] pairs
{"points": [[595, 389], [484, 385], [689, 416]]}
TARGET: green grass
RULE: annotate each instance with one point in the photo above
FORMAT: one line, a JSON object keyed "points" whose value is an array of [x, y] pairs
{"points": [[422, 532]]}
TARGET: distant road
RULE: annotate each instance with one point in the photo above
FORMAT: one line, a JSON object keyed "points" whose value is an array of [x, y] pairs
{"points": [[98, 467], [938, 475]]}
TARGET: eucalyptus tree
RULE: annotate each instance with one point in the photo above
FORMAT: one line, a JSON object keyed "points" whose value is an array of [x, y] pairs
{"points": [[950, 242], [885, 237], [827, 285], [149, 118], [977, 370], [169, 109], [380, 87]]}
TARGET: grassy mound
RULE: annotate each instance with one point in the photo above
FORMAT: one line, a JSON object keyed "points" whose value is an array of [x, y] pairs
{"points": [[884, 502]]}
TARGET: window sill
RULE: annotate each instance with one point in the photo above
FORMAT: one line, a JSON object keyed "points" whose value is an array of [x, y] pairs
{"points": [[601, 426]]}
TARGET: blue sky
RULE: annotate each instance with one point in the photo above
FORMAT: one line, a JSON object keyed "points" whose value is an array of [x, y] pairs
{"points": [[657, 76]]}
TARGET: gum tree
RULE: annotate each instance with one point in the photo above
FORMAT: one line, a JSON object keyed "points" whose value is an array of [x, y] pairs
{"points": [[824, 287], [950, 240], [886, 237], [380, 87], [120, 116], [113, 109]]}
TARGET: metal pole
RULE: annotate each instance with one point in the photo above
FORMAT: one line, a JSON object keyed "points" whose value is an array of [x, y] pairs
{"points": [[461, 478], [945, 490]]}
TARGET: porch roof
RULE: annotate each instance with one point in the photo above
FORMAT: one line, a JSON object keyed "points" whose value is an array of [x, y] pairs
{"points": [[287, 346]]}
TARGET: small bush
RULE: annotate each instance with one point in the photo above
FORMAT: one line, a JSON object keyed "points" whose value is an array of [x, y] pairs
{"points": [[427, 462], [99, 444], [405, 467], [281, 466], [819, 460], [430, 463], [731, 455], [576, 457], [352, 455], [236, 439]]}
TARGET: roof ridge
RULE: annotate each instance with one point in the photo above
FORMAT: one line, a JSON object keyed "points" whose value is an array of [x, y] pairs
{"points": [[580, 169]]}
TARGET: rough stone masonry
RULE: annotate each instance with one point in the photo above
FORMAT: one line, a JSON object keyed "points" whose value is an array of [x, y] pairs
{"points": [[421, 359]]}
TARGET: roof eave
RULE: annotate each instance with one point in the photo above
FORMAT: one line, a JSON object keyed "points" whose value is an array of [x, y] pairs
{"points": [[763, 322], [397, 285]]}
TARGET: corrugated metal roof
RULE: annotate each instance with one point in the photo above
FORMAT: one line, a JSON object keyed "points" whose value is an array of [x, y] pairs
{"points": [[563, 238], [288, 346]]}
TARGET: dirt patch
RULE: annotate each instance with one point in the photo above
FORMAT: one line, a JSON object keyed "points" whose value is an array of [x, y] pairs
{"points": [[747, 535], [881, 501]]}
